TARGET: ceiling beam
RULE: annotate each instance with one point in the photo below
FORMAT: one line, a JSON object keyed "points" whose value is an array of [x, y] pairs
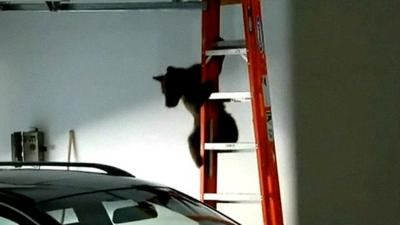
{"points": [[99, 6]]}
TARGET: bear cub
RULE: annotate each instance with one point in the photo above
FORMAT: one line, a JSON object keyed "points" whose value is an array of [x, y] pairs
{"points": [[186, 84]]}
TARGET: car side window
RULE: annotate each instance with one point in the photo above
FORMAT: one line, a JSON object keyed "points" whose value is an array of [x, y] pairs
{"points": [[145, 214], [64, 216], [12, 216], [5, 221]]}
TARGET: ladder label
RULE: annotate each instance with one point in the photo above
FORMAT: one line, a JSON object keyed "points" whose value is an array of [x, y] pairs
{"points": [[267, 95], [267, 99], [270, 127], [260, 35]]}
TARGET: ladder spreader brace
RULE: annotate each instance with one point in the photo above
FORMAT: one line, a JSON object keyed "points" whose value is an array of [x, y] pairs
{"points": [[253, 50]]}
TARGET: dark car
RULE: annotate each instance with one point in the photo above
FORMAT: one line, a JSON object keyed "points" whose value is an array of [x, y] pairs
{"points": [[93, 194]]}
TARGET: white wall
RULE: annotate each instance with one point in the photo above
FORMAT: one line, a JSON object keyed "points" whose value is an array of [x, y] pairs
{"points": [[91, 72]]}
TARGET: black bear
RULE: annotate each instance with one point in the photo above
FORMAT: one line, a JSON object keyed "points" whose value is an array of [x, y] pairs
{"points": [[186, 84]]}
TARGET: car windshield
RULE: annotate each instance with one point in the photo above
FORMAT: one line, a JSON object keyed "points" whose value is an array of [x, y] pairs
{"points": [[141, 205]]}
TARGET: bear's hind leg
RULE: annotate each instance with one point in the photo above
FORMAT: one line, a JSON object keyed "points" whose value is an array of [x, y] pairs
{"points": [[194, 146]]}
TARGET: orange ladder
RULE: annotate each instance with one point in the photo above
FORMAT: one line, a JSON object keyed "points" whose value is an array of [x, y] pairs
{"points": [[253, 50]]}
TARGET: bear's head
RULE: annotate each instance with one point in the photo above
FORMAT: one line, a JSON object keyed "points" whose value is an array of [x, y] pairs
{"points": [[171, 85]]}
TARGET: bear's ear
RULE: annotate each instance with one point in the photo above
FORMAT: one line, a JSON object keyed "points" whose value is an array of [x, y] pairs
{"points": [[159, 78], [170, 69]]}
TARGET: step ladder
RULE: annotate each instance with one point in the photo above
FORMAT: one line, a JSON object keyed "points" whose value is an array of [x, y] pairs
{"points": [[252, 49]]}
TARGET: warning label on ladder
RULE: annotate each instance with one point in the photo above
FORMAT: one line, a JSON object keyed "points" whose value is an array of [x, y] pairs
{"points": [[267, 96], [260, 36], [267, 99], [270, 127]]}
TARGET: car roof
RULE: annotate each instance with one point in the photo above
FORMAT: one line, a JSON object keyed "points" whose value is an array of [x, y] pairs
{"points": [[47, 184]]}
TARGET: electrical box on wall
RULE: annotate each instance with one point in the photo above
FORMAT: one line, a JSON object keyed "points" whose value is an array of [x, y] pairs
{"points": [[28, 146]]}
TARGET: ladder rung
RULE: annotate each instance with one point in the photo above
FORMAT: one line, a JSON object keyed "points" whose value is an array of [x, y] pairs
{"points": [[231, 147], [238, 51], [233, 47], [231, 96], [232, 198]]}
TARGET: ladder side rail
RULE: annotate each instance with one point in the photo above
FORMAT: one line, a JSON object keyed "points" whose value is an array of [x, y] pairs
{"points": [[210, 34], [261, 109]]}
